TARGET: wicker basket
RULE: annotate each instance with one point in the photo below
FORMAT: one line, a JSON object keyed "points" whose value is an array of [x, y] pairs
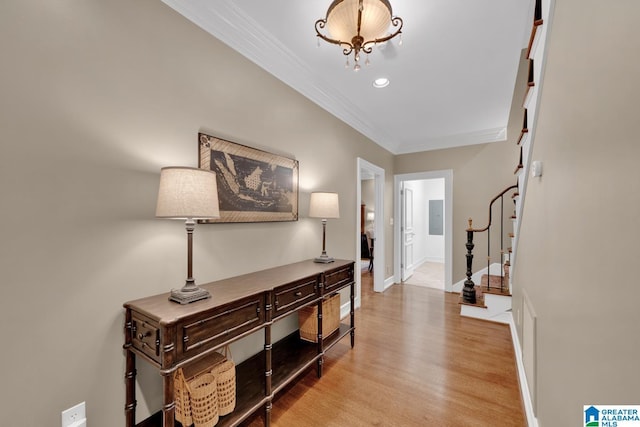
{"points": [[203, 392], [308, 319], [225, 374], [182, 399], [183, 377]]}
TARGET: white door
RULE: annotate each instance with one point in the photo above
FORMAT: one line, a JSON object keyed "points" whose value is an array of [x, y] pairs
{"points": [[407, 263]]}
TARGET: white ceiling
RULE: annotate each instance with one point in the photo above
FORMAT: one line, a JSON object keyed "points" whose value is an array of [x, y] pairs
{"points": [[452, 78]]}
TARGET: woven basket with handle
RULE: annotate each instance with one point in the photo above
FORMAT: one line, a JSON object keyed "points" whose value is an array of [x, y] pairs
{"points": [[225, 374], [182, 399], [183, 377]]}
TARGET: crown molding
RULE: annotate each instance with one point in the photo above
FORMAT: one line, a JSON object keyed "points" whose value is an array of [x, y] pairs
{"points": [[229, 24], [457, 140]]}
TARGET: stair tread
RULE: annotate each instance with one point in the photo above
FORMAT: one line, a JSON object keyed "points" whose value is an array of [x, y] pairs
{"points": [[495, 282], [479, 300]]}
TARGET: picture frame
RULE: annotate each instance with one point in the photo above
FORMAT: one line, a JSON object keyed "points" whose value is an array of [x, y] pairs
{"points": [[253, 185]]}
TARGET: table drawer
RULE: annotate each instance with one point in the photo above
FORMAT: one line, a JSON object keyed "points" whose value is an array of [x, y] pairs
{"points": [[338, 279], [293, 295], [145, 336], [211, 328]]}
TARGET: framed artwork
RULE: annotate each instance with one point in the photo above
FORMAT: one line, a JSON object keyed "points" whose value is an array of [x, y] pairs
{"points": [[253, 185]]}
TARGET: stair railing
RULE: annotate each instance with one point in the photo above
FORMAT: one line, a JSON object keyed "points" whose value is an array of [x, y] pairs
{"points": [[469, 291]]}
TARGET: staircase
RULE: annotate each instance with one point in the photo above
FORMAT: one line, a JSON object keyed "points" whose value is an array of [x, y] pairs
{"points": [[491, 299]]}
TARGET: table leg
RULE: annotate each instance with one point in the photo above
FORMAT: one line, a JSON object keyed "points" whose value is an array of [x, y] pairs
{"points": [[168, 404], [267, 414], [320, 339], [352, 314], [130, 384]]}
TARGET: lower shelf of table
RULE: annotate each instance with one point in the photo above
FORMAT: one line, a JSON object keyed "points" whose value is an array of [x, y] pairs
{"points": [[290, 357]]}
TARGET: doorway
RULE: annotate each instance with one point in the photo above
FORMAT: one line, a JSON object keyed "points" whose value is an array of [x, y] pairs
{"points": [[423, 232], [375, 177]]}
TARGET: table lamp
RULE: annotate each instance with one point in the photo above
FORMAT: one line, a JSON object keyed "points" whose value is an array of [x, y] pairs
{"points": [[324, 205], [189, 194]]}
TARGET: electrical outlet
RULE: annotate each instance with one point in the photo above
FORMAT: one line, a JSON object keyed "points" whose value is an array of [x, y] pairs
{"points": [[75, 416]]}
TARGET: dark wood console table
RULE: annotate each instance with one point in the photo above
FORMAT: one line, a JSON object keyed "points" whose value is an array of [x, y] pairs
{"points": [[170, 336]]}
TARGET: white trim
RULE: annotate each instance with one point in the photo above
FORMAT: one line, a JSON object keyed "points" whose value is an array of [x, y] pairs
{"points": [[539, 54], [532, 421], [388, 282], [345, 310], [532, 92], [447, 174], [458, 140]]}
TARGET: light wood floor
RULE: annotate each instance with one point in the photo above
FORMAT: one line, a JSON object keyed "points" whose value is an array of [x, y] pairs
{"points": [[416, 362], [430, 274]]}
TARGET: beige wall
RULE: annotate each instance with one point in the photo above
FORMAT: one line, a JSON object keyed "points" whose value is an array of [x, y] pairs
{"points": [[577, 257], [480, 172], [96, 97]]}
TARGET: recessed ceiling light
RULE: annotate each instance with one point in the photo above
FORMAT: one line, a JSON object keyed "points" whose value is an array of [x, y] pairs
{"points": [[381, 82]]}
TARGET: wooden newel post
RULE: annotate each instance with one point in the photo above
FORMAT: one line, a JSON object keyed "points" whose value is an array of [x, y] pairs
{"points": [[469, 292]]}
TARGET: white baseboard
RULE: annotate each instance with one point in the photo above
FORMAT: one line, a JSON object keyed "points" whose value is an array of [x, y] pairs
{"points": [[345, 309], [388, 282], [421, 261], [532, 421]]}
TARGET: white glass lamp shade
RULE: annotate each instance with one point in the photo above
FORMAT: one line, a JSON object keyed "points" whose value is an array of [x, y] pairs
{"points": [[342, 19], [324, 205], [187, 193]]}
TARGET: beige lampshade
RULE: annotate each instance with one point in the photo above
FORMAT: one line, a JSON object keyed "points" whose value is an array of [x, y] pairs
{"points": [[187, 193], [324, 205], [342, 19]]}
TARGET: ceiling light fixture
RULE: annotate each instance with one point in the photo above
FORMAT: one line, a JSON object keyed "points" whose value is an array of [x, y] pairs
{"points": [[358, 25], [381, 82]]}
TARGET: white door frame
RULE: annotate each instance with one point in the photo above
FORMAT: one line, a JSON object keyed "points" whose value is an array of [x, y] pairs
{"points": [[378, 225], [406, 228], [448, 223]]}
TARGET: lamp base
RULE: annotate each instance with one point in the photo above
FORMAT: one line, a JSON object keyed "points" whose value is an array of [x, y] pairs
{"points": [[324, 259], [188, 296]]}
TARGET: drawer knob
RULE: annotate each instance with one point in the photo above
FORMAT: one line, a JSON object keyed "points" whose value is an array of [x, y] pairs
{"points": [[143, 336], [298, 294]]}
